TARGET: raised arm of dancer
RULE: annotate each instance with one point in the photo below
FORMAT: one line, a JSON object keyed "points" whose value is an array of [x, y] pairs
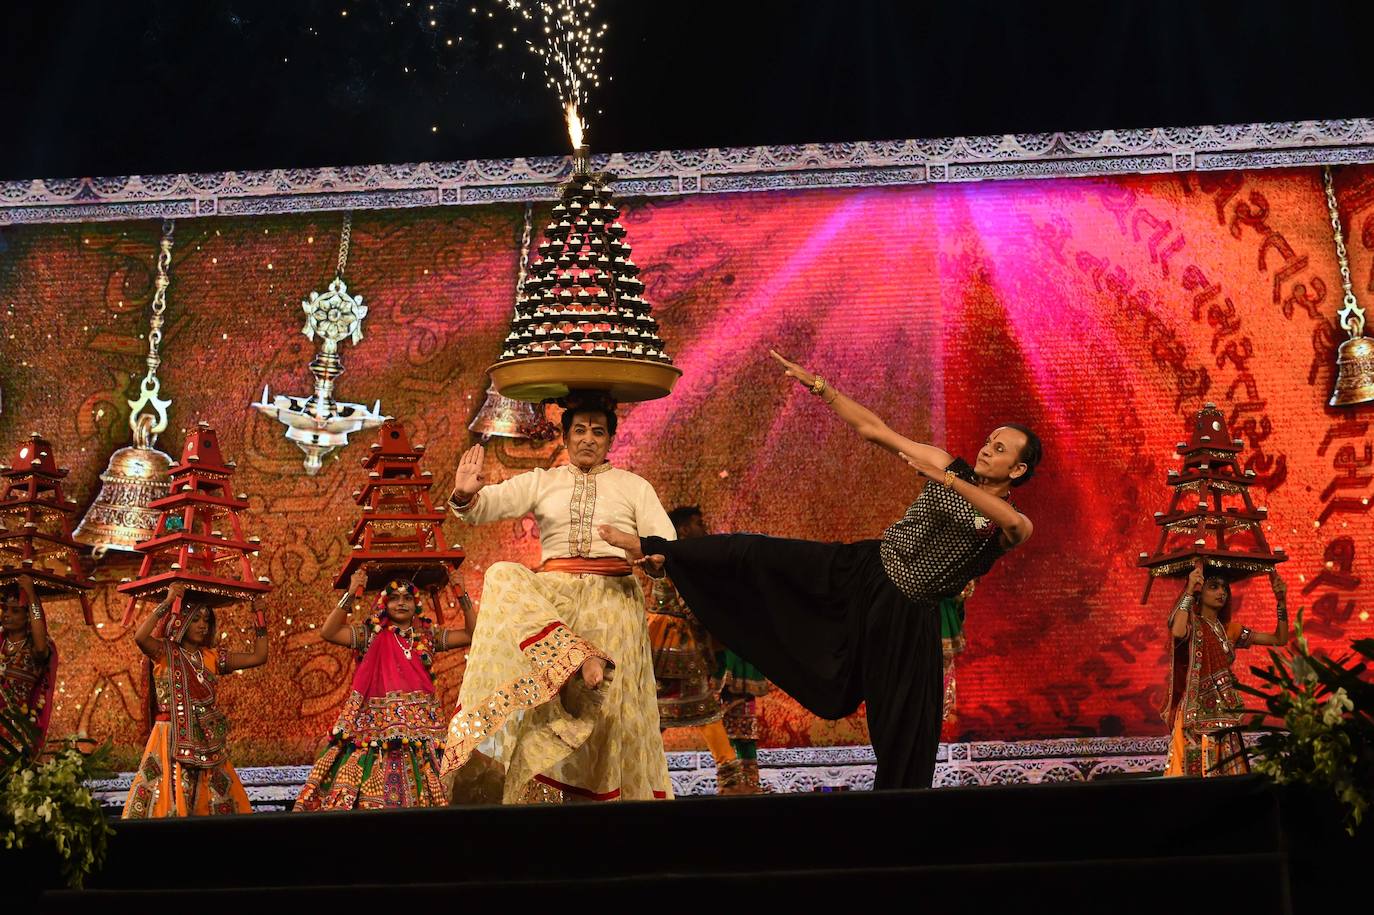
{"points": [[1280, 634], [38, 624], [478, 503], [864, 421], [1178, 617], [468, 479], [243, 660], [336, 630], [143, 635], [1015, 527], [927, 459]]}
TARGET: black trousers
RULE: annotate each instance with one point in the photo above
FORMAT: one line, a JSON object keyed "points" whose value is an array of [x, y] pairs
{"points": [[825, 623]]}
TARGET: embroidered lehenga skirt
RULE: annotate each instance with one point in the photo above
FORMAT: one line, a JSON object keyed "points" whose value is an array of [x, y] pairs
{"points": [[384, 753], [163, 787]]}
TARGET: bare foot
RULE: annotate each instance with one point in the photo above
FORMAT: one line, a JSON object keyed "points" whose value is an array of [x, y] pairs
{"points": [[593, 672], [622, 539]]}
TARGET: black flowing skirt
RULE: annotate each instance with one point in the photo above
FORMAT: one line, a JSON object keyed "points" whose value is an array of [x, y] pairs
{"points": [[825, 623]]}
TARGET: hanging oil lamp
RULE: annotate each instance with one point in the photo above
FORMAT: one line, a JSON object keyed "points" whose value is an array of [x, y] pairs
{"points": [[137, 474], [318, 424]]}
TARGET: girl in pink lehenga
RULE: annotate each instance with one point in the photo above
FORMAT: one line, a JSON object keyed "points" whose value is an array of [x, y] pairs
{"points": [[384, 750]]}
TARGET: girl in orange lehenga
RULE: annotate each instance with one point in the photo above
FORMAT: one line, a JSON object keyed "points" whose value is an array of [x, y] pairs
{"points": [[185, 769], [1203, 700]]}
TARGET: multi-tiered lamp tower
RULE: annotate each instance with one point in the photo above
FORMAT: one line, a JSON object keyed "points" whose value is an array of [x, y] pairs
{"points": [[581, 321], [36, 525], [1211, 517]]}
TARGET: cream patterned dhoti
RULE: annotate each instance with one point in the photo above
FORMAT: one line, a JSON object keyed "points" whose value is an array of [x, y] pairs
{"points": [[526, 727]]}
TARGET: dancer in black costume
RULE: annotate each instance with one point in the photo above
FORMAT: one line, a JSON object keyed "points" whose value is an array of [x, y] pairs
{"points": [[836, 624]]}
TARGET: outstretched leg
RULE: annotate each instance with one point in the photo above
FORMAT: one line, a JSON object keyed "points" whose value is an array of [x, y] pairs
{"points": [[794, 608]]}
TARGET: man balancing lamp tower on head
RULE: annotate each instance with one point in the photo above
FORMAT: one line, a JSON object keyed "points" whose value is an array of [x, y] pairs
{"points": [[558, 700]]}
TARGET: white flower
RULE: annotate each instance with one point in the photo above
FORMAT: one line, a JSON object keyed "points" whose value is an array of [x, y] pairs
{"points": [[1336, 705]]}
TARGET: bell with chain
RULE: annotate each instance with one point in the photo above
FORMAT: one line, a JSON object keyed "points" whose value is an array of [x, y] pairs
{"points": [[137, 474], [1355, 357], [504, 417], [501, 416]]}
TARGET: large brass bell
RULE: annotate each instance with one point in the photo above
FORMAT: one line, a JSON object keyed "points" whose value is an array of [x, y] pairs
{"points": [[505, 417], [137, 475], [1355, 357], [1354, 372]]}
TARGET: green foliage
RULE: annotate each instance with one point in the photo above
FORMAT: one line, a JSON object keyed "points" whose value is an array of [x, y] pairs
{"points": [[48, 803], [19, 735], [1326, 707]]}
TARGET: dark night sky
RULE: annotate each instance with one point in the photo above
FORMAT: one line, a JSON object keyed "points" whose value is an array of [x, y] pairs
{"points": [[196, 85]]}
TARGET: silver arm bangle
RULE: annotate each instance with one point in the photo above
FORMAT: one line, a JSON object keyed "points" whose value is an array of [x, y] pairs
{"points": [[1184, 605]]}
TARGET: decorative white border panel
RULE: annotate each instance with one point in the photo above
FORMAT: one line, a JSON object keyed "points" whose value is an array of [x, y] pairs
{"points": [[670, 173], [820, 768]]}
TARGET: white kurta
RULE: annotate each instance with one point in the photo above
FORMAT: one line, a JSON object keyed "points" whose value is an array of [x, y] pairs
{"points": [[569, 504], [526, 728]]}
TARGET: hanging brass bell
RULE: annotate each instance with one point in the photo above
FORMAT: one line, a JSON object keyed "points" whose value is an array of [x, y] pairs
{"points": [[1354, 372], [119, 517], [503, 416]]}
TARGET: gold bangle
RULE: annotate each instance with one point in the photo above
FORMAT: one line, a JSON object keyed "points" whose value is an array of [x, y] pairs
{"points": [[950, 477], [818, 386]]}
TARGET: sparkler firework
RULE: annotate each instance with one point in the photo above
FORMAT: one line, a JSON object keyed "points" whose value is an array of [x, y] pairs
{"points": [[569, 50]]}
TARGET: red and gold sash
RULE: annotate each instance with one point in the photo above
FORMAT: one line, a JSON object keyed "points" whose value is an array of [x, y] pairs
{"points": [[610, 566]]}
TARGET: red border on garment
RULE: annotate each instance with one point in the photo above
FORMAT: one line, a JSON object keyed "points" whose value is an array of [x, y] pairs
{"points": [[580, 792], [539, 635], [590, 795]]}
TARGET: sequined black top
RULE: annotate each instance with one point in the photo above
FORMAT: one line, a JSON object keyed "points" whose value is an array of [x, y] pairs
{"points": [[941, 543]]}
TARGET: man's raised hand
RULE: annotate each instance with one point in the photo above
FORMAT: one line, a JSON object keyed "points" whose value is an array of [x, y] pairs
{"points": [[467, 479]]}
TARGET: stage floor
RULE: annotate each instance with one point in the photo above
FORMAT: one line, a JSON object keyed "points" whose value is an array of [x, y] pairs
{"points": [[1130, 845]]}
